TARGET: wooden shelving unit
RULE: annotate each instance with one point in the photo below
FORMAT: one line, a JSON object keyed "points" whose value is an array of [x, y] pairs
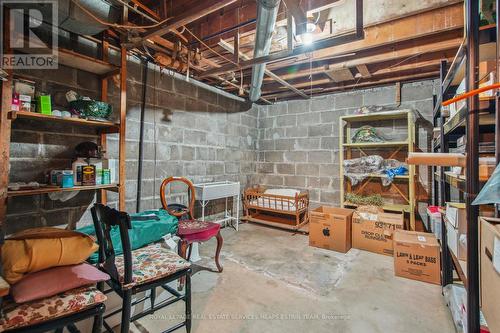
{"points": [[347, 147], [104, 70], [476, 117]]}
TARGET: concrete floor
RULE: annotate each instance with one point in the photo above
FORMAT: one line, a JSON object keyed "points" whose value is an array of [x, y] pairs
{"points": [[274, 282]]}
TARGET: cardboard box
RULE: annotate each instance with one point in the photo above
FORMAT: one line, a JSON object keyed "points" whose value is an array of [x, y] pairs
{"points": [[417, 256], [330, 228], [373, 232], [456, 215], [490, 271], [457, 241]]}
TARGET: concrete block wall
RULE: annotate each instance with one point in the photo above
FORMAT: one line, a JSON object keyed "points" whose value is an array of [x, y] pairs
{"points": [[298, 140], [189, 131]]}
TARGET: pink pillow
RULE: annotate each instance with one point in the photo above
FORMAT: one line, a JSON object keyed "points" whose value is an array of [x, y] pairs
{"points": [[52, 281]]}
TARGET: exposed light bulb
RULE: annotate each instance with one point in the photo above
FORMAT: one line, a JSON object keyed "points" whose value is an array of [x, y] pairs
{"points": [[307, 38]]}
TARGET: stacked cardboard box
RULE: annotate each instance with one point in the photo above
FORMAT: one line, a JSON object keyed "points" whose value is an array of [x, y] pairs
{"points": [[456, 229], [417, 256], [373, 231], [330, 228], [490, 271]]}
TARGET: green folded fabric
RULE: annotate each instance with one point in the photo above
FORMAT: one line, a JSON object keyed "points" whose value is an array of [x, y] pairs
{"points": [[144, 230]]}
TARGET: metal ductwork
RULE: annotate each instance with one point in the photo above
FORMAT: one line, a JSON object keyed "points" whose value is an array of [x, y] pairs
{"points": [[267, 10], [72, 18]]}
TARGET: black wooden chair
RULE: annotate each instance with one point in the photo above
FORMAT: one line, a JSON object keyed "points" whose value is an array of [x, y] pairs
{"points": [[52, 313], [139, 270]]}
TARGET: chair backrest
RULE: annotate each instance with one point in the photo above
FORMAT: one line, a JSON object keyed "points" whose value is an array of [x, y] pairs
{"points": [[105, 218], [178, 210]]}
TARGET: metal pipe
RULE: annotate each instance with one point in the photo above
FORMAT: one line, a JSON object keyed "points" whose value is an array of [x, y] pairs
{"points": [[141, 135], [267, 12]]}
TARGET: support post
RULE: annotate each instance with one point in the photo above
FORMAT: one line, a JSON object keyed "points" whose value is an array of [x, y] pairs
{"points": [[472, 166]]}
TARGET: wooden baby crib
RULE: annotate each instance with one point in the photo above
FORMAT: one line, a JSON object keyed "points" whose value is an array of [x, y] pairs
{"points": [[283, 208]]}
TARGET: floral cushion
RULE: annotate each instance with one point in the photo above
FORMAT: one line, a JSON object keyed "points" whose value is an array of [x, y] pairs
{"points": [[42, 310], [151, 263], [197, 231]]}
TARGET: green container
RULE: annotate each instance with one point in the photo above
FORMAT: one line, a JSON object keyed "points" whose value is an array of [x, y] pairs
{"points": [[44, 106]]}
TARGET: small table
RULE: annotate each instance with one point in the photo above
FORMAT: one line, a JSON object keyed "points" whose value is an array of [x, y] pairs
{"points": [[219, 190]]}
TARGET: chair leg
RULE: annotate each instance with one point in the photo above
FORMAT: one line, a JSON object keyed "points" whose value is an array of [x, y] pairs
{"points": [[153, 298], [190, 250], [183, 245], [217, 252], [97, 326], [188, 302], [126, 309]]}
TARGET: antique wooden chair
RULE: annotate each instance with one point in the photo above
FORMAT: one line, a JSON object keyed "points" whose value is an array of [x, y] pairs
{"points": [[139, 270], [190, 230], [52, 313]]}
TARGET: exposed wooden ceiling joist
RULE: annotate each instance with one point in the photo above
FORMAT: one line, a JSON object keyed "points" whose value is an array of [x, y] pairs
{"points": [[398, 30], [206, 7]]}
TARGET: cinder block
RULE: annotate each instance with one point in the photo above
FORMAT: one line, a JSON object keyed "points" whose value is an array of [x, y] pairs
{"points": [[320, 130], [329, 170], [323, 103], [286, 120], [265, 167], [330, 197], [295, 181], [298, 106], [380, 96], [169, 134], [296, 132], [285, 168], [417, 91], [307, 169], [277, 109], [348, 100], [274, 156], [195, 137], [323, 156], [307, 143], [231, 168], [319, 182], [329, 143], [295, 156], [308, 119], [284, 144]]}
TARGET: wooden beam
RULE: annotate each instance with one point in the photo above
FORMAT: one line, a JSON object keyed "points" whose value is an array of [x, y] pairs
{"points": [[275, 77], [339, 75], [206, 7], [398, 30], [363, 70], [335, 88], [393, 53]]}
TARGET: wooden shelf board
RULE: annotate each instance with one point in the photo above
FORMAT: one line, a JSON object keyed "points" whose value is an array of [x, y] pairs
{"points": [[487, 51], [389, 206], [400, 114], [112, 127], [376, 144], [85, 63], [52, 189]]}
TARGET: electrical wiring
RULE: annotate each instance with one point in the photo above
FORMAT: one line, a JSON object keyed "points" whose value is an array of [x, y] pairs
{"points": [[217, 53]]}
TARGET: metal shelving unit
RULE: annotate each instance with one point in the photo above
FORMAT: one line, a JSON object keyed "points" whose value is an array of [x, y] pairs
{"points": [[477, 116], [347, 148]]}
